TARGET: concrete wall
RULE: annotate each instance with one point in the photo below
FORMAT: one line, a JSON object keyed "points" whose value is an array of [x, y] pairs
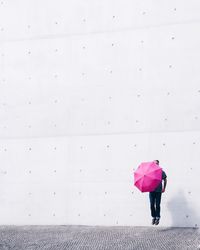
{"points": [[89, 90]]}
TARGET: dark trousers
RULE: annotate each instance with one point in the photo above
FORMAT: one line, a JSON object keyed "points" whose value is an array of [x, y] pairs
{"points": [[155, 199]]}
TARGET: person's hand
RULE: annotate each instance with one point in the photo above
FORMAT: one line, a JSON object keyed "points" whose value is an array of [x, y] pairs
{"points": [[163, 190]]}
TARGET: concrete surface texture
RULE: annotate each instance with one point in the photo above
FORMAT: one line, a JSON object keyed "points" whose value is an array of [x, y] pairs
{"points": [[98, 238], [88, 91]]}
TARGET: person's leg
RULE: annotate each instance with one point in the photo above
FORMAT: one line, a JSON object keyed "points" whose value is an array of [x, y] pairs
{"points": [[158, 201], [152, 204]]}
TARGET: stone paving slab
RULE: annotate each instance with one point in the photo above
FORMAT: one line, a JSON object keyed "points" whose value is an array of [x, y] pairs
{"points": [[98, 237]]}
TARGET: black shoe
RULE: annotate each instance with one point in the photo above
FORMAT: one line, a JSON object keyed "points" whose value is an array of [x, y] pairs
{"points": [[153, 221], [157, 221]]}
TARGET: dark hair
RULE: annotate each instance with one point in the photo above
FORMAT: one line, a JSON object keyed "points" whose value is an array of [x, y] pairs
{"points": [[157, 161]]}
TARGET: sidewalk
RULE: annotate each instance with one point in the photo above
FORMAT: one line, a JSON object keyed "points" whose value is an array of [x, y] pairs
{"points": [[99, 237]]}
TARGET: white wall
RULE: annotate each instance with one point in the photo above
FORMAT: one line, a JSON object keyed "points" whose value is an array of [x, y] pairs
{"points": [[89, 90]]}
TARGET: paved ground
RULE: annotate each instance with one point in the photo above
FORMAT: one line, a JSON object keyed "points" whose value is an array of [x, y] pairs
{"points": [[92, 238]]}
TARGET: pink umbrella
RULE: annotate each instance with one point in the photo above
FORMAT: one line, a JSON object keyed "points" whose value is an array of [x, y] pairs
{"points": [[147, 176]]}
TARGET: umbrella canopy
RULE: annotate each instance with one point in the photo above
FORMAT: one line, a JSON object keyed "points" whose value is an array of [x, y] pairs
{"points": [[147, 176]]}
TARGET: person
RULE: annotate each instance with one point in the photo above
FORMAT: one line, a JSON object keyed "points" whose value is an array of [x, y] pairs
{"points": [[155, 198]]}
